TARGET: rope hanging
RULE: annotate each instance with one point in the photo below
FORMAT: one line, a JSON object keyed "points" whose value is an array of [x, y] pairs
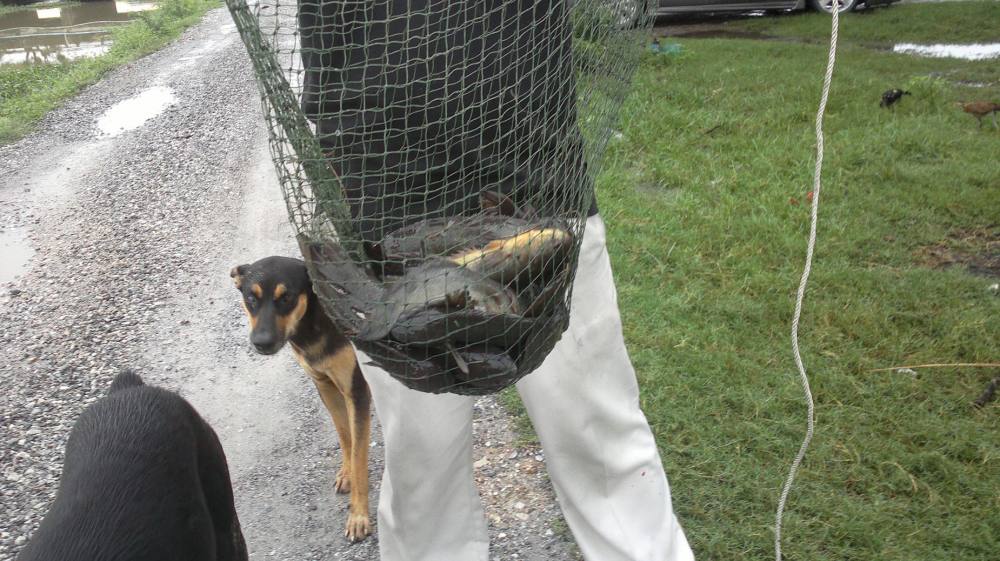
{"points": [[800, 296]]}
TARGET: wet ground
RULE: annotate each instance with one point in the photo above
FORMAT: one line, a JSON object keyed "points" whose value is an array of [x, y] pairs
{"points": [[48, 32], [718, 27], [977, 251], [943, 50]]}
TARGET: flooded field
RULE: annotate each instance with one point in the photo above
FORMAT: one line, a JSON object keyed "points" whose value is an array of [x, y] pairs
{"points": [[48, 32]]}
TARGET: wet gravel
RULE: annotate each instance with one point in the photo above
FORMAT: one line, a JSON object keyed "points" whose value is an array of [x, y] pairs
{"points": [[133, 238]]}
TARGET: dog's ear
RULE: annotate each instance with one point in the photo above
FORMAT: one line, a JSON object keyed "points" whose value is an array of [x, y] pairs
{"points": [[237, 273]]}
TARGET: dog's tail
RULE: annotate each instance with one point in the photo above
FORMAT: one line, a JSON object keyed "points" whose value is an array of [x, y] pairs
{"points": [[124, 380]]}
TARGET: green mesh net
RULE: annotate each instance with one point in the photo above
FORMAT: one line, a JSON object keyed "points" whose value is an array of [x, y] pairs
{"points": [[438, 159]]}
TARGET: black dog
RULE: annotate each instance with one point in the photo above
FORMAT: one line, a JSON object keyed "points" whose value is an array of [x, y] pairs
{"points": [[145, 478]]}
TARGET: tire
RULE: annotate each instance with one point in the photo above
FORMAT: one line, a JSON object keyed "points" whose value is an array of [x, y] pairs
{"points": [[627, 12], [827, 5]]}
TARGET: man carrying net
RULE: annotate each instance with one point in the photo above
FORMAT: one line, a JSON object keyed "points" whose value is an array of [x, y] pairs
{"points": [[420, 106]]}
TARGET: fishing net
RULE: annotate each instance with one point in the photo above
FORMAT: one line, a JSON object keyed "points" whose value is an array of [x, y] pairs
{"points": [[437, 158]]}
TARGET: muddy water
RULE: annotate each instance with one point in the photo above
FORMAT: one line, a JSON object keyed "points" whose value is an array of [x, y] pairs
{"points": [[14, 253], [133, 112], [51, 33], [967, 52]]}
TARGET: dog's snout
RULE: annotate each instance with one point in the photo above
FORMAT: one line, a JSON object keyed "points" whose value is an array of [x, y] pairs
{"points": [[265, 342]]}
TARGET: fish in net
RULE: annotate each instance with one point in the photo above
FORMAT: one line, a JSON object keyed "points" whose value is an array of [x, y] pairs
{"points": [[438, 159]]}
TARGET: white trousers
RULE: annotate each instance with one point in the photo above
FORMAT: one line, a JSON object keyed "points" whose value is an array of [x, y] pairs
{"points": [[599, 449]]}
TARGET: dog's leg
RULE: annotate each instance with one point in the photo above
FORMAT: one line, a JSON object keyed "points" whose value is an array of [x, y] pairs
{"points": [[336, 405], [359, 413]]}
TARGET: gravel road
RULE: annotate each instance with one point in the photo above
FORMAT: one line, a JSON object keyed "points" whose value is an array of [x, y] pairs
{"points": [[132, 236]]}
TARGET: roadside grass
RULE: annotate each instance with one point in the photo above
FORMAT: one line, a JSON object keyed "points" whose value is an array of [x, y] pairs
{"points": [[29, 91], [952, 22], [705, 196]]}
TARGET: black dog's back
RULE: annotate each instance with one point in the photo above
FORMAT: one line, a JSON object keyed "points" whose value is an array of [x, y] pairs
{"points": [[145, 478]]}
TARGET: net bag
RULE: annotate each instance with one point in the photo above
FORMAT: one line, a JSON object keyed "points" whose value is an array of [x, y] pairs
{"points": [[437, 158]]}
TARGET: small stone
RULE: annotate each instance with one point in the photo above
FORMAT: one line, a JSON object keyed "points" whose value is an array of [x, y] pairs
{"points": [[518, 505], [20, 540], [480, 463]]}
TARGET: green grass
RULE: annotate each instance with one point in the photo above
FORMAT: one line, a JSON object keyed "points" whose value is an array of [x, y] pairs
{"points": [[28, 92], [705, 200], [954, 22]]}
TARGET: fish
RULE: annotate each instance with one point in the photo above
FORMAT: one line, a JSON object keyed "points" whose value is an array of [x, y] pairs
{"points": [[432, 369], [415, 367], [487, 369], [442, 236], [437, 283], [496, 202], [499, 218], [525, 253], [430, 326], [347, 292]]}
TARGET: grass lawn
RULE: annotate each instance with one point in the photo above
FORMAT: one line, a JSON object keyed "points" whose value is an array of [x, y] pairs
{"points": [[29, 91], [705, 200]]}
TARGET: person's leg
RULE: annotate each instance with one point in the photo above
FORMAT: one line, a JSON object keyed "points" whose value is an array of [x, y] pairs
{"points": [[599, 449], [429, 508]]}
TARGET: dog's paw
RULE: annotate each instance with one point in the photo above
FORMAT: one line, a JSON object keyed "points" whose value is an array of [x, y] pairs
{"points": [[358, 527], [343, 482]]}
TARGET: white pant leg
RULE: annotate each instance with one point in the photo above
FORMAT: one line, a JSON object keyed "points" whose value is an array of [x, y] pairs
{"points": [[599, 449], [429, 508]]}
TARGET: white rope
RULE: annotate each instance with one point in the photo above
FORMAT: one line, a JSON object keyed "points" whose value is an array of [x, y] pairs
{"points": [[810, 421]]}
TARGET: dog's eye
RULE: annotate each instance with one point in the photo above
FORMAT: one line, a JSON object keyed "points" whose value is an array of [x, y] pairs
{"points": [[251, 300]]}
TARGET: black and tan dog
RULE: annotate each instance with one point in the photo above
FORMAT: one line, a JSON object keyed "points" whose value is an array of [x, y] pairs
{"points": [[278, 298], [145, 477]]}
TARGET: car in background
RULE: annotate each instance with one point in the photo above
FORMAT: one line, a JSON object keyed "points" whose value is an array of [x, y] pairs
{"points": [[628, 11]]}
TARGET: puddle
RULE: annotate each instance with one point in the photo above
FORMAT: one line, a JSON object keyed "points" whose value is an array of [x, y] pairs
{"points": [[14, 253], [721, 34], [977, 250], [710, 31], [966, 52], [53, 33], [133, 112]]}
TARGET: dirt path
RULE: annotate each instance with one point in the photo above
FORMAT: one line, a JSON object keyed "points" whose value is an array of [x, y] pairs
{"points": [[132, 237]]}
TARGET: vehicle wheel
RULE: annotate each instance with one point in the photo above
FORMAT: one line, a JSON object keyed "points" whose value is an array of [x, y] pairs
{"points": [[827, 5], [627, 12]]}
